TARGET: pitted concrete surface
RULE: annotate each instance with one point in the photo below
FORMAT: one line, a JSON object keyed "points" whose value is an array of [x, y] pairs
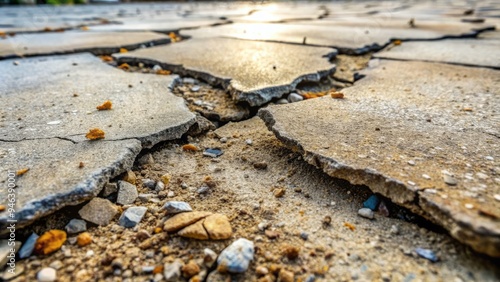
{"points": [[99, 43], [163, 25], [400, 131], [252, 71], [64, 94], [55, 178], [454, 51]]}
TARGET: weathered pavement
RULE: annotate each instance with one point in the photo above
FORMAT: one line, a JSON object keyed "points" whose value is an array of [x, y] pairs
{"points": [[420, 128]]}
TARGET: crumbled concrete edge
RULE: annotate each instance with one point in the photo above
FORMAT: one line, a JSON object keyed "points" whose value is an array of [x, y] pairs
{"points": [[85, 190], [482, 238], [254, 98], [94, 50]]}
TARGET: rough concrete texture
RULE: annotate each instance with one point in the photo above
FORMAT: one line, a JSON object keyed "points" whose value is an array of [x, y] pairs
{"points": [[164, 25], [99, 43], [454, 51], [349, 35], [143, 106], [48, 137], [250, 70], [55, 178], [399, 131]]}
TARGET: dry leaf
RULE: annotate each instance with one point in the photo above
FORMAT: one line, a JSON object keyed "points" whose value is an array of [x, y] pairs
{"points": [[397, 42], [106, 58], [124, 66], [22, 171], [83, 239], [123, 50], [50, 242], [174, 37], [190, 147], [311, 95], [105, 106], [84, 28], [95, 134], [350, 226], [2, 208], [163, 72], [337, 95]]}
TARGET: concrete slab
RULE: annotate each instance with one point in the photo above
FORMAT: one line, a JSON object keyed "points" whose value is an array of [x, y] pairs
{"points": [[55, 178], [468, 52], [76, 41], [143, 106], [45, 117], [163, 25], [250, 70], [349, 35], [409, 130]]}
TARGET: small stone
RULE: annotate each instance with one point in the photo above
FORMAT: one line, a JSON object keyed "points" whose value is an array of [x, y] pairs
{"points": [[203, 189], [98, 211], [236, 257], [411, 183], [146, 197], [271, 234], [294, 97], [89, 253], [184, 185], [327, 220], [57, 264], [127, 193], [142, 235], [489, 158], [160, 186], [372, 202], [449, 179], [260, 165], [223, 140], [261, 270], [28, 246], [83, 239], [209, 258], [291, 252], [285, 276], [195, 88], [263, 225], [304, 236], [47, 274], [188, 80], [109, 189], [190, 269], [279, 192], [411, 162], [249, 142], [427, 254], [194, 231], [213, 153], [10, 275], [383, 209], [172, 271], [469, 206], [132, 216], [130, 177], [281, 101], [76, 226], [174, 207], [147, 159], [366, 213], [497, 197], [149, 183], [182, 220], [394, 230], [170, 194], [157, 68], [218, 227], [426, 176]]}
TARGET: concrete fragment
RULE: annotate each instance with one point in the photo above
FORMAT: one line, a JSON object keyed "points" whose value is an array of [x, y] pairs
{"points": [[98, 43], [127, 193], [402, 111], [233, 64], [218, 227], [184, 219], [109, 189], [76, 226], [366, 213], [98, 211], [172, 271], [28, 246], [173, 207], [132, 216], [236, 257]]}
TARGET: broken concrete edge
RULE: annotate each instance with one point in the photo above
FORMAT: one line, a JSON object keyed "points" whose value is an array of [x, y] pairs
{"points": [[97, 51], [460, 227], [381, 57], [178, 30], [59, 29], [254, 98], [84, 191]]}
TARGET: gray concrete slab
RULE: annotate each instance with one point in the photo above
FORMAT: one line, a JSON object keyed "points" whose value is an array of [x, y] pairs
{"points": [[469, 52], [143, 106], [252, 71], [405, 130], [163, 25], [350, 35], [76, 41], [55, 179]]}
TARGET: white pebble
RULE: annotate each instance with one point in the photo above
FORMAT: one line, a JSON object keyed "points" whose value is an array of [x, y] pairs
{"points": [[497, 197], [47, 274], [157, 68], [366, 213], [249, 141], [426, 176], [411, 162], [489, 158], [171, 194], [411, 183], [294, 97], [469, 206]]}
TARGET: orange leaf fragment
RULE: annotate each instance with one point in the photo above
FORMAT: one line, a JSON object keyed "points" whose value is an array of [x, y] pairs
{"points": [[123, 50], [397, 42], [105, 106], [337, 95], [22, 171], [106, 58], [95, 134], [350, 226], [467, 109], [2, 208], [158, 269], [311, 95], [83, 239], [47, 29], [50, 242], [84, 27], [124, 66], [174, 37], [190, 147], [163, 72]]}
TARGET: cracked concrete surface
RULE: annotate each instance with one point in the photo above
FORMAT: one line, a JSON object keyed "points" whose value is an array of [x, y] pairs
{"points": [[465, 52], [52, 100], [399, 130], [250, 70], [98, 43]]}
